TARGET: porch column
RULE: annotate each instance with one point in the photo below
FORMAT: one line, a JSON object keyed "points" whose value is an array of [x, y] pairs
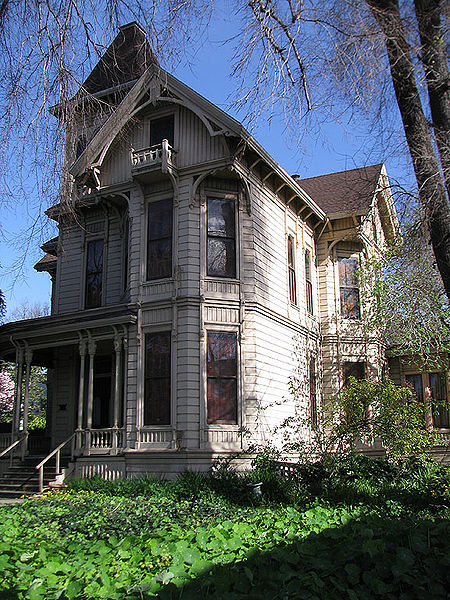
{"points": [[83, 351], [92, 347], [117, 387], [28, 359], [17, 393]]}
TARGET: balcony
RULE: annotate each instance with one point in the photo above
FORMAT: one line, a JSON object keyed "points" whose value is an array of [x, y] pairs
{"points": [[155, 158]]}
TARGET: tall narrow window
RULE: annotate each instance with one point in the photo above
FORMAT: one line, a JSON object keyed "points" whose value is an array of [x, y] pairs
{"points": [[157, 379], [159, 243], [291, 270], [312, 392], [221, 238], [441, 416], [161, 129], [348, 286], [94, 274], [125, 253], [222, 378], [308, 281]]}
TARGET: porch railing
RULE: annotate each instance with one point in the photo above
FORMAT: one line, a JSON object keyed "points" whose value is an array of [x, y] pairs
{"points": [[98, 440], [21, 441], [57, 453]]}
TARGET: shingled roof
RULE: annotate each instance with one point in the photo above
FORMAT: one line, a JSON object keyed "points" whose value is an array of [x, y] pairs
{"points": [[343, 192], [125, 60]]}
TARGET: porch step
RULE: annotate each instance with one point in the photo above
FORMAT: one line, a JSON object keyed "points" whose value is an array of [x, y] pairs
{"points": [[22, 479]]}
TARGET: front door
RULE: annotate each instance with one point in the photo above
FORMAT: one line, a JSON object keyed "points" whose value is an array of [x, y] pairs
{"points": [[102, 406]]}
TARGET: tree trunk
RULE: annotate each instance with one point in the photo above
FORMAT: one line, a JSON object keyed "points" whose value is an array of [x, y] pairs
{"points": [[432, 192], [434, 60]]}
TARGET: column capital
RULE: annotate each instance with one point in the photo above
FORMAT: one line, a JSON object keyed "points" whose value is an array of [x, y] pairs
{"points": [[28, 355], [92, 347], [82, 346], [118, 339]]}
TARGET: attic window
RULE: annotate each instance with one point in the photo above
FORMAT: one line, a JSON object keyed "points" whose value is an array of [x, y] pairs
{"points": [[162, 129]]}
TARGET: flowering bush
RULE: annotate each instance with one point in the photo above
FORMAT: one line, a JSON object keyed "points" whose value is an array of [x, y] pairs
{"points": [[6, 396]]}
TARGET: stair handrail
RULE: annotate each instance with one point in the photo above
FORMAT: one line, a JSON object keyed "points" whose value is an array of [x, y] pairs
{"points": [[11, 447], [57, 451]]}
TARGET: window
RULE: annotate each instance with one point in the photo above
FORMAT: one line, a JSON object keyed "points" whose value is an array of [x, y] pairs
{"points": [[436, 383], [291, 270], [161, 129], [221, 244], [157, 379], [354, 369], [159, 243], [125, 253], [308, 280], [94, 274], [348, 287], [312, 392], [222, 378]]}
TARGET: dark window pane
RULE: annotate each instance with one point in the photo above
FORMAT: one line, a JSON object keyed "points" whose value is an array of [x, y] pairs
{"points": [[159, 243], [221, 218], [161, 129], [157, 379], [159, 263], [222, 401], [354, 369], [221, 257], [290, 251], [415, 383], [221, 354], [160, 216], [292, 287], [94, 274], [347, 271], [440, 405], [222, 378], [350, 303]]}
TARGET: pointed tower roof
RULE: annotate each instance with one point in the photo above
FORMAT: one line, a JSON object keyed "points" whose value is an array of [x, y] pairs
{"points": [[125, 60]]}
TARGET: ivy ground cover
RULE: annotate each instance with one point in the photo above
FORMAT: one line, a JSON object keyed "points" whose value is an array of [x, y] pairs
{"points": [[169, 544]]}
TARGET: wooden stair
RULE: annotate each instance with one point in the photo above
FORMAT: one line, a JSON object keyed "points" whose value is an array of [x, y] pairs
{"points": [[22, 479]]}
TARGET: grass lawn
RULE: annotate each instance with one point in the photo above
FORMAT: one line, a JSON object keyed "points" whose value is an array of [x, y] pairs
{"points": [[354, 530]]}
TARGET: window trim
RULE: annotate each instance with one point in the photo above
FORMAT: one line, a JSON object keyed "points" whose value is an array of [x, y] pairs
{"points": [[218, 195], [87, 240], [154, 200]]}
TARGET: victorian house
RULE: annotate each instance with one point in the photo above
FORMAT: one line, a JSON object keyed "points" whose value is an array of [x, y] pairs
{"points": [[193, 279]]}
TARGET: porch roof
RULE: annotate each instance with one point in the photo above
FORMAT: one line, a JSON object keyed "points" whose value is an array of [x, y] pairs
{"points": [[62, 330]]}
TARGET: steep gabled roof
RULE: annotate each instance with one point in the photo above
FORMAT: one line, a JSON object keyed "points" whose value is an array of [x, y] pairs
{"points": [[344, 192], [125, 60]]}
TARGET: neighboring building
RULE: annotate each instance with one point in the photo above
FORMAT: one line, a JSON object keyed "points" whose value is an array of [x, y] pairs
{"points": [[193, 279]]}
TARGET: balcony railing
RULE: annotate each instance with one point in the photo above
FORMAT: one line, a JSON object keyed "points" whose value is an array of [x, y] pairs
{"points": [[159, 155]]}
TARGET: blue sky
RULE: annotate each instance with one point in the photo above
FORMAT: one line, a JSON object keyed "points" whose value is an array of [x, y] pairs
{"points": [[339, 146]]}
